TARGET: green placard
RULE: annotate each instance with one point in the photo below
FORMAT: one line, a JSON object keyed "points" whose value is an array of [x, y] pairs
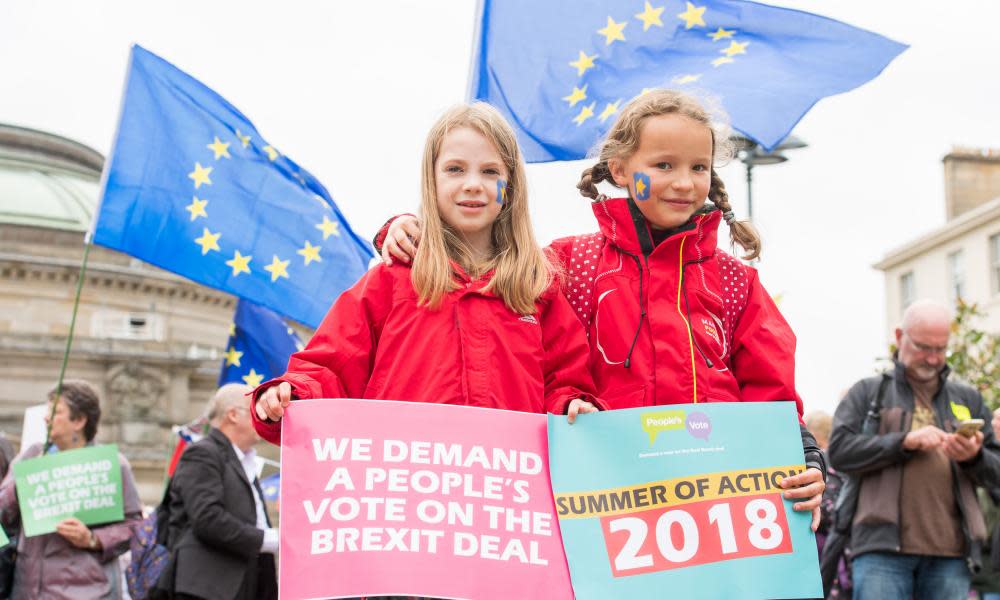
{"points": [[4, 540], [84, 483]]}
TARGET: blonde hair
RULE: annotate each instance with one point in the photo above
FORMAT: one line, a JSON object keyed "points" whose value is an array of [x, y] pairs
{"points": [[623, 140], [521, 272]]}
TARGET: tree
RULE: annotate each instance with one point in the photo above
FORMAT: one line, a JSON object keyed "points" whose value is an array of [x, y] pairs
{"points": [[974, 354]]}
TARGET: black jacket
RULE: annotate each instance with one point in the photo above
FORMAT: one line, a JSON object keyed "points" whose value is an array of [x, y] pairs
{"points": [[878, 459], [213, 536]]}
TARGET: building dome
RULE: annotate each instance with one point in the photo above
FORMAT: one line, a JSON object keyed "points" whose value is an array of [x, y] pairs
{"points": [[46, 180], [151, 341]]}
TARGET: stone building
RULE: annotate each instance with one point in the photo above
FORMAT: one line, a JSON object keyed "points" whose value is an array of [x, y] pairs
{"points": [[151, 340], [960, 258]]}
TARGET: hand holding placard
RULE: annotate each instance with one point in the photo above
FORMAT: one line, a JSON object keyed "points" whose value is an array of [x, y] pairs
{"points": [[84, 483]]}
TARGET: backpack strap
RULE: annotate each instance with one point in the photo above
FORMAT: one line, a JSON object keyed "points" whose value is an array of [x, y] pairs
{"points": [[581, 271]]}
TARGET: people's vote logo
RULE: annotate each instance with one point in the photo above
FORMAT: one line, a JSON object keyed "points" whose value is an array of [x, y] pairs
{"points": [[697, 423]]}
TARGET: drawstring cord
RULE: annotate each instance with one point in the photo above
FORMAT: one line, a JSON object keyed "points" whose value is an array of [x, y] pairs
{"points": [[680, 289]]}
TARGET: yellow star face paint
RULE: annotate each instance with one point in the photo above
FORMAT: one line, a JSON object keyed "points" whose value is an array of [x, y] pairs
{"points": [[641, 182]]}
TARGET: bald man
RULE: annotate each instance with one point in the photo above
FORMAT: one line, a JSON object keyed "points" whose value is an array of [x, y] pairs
{"points": [[220, 539], [918, 529]]}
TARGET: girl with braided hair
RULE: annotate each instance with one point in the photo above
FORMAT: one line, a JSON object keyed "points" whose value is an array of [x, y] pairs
{"points": [[670, 317]]}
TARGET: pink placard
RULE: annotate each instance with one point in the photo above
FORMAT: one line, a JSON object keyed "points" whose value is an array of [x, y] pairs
{"points": [[405, 498]]}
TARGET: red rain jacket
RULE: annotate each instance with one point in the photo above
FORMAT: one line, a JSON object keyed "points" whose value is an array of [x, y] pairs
{"points": [[641, 303], [473, 351]]}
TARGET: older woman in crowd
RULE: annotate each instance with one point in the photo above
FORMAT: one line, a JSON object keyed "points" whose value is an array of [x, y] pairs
{"points": [[76, 561]]}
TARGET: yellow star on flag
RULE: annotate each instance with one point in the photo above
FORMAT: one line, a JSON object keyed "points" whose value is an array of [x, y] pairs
{"points": [[609, 110], [310, 253], [583, 63], [721, 33], [577, 95], [244, 139], [735, 48], [239, 263], [220, 148], [329, 227], [686, 79], [253, 378], [272, 154], [232, 329], [197, 208], [722, 60], [200, 175], [585, 113], [232, 357], [650, 16], [692, 16], [277, 268], [613, 31], [208, 241]]}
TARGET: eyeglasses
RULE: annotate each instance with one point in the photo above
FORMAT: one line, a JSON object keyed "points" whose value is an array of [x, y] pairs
{"points": [[926, 349]]}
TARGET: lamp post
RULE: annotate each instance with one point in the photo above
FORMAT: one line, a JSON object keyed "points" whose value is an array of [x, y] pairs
{"points": [[752, 155]]}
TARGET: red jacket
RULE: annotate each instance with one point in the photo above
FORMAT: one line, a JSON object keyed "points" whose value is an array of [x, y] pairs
{"points": [[473, 351], [639, 308]]}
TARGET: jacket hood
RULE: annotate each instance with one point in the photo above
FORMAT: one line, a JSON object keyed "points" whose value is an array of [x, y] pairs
{"points": [[625, 227]]}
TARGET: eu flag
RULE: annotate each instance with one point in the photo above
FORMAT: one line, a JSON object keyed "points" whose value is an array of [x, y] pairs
{"points": [[271, 486], [192, 187], [561, 71], [259, 346]]}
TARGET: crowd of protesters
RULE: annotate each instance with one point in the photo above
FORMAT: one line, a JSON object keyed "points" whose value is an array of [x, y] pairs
{"points": [[218, 513]]}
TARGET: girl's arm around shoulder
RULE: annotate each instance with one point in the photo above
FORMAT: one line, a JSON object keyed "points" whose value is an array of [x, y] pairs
{"points": [[336, 363], [567, 354]]}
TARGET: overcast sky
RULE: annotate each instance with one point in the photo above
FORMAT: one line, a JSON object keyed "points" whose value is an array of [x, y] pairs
{"points": [[349, 89]]}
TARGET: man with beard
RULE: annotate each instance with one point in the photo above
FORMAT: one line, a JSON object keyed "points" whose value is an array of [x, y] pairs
{"points": [[918, 529]]}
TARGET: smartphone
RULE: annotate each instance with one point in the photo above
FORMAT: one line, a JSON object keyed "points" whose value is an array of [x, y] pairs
{"points": [[969, 427]]}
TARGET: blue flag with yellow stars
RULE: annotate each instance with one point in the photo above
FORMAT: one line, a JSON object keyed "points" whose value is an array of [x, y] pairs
{"points": [[561, 71], [192, 187], [259, 346], [271, 486]]}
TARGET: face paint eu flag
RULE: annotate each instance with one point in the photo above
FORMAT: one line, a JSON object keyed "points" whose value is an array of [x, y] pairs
{"points": [[641, 183], [562, 71], [501, 191], [192, 187]]}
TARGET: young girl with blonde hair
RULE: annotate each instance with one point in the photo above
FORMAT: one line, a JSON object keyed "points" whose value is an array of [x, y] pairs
{"points": [[478, 320], [670, 317]]}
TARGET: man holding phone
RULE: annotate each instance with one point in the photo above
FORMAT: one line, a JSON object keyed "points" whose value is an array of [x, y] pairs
{"points": [[918, 529]]}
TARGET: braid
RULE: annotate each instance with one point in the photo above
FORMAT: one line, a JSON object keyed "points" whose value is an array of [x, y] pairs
{"points": [[591, 177], [740, 232]]}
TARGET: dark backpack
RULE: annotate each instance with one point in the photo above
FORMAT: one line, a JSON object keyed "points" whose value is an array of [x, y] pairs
{"points": [[149, 551]]}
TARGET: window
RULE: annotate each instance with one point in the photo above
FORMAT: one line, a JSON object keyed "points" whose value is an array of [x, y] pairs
{"points": [[995, 262], [956, 275], [907, 290]]}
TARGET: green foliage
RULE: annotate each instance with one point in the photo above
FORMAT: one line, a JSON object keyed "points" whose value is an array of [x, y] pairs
{"points": [[974, 354]]}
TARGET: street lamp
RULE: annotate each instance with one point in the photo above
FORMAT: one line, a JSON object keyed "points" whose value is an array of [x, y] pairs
{"points": [[752, 155]]}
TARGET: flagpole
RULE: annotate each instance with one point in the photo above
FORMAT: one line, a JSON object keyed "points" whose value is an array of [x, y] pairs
{"points": [[69, 343]]}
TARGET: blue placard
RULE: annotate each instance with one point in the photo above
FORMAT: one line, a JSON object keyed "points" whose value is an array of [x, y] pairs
{"points": [[683, 498]]}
